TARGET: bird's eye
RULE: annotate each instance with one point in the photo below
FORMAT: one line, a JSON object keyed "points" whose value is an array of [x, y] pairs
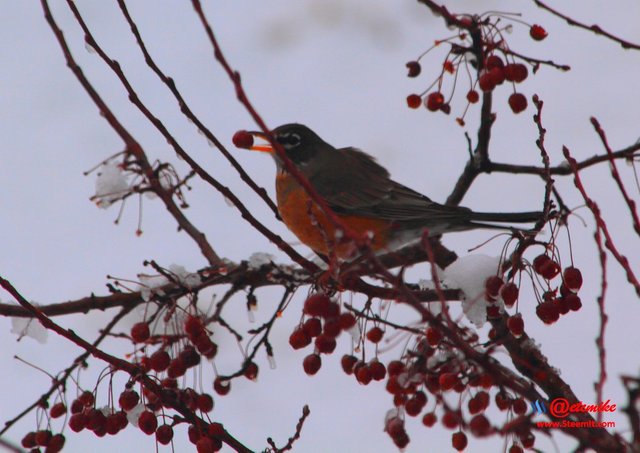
{"points": [[290, 140]]}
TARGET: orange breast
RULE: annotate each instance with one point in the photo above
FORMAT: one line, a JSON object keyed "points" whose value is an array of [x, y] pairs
{"points": [[306, 220]]}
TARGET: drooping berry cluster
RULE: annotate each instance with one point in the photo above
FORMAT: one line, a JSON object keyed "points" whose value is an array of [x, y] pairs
{"points": [[480, 49]]}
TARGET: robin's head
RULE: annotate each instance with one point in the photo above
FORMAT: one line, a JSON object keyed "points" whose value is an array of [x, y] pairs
{"points": [[300, 143]]}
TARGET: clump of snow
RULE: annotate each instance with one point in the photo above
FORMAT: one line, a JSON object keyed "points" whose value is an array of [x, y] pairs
{"points": [[259, 259], [186, 278], [134, 414], [111, 185], [150, 285], [469, 273], [29, 327]]}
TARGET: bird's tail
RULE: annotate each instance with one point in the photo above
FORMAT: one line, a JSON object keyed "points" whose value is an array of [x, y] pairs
{"points": [[506, 217]]}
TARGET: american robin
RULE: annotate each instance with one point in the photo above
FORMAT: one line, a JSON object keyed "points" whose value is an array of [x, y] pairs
{"points": [[361, 193]]}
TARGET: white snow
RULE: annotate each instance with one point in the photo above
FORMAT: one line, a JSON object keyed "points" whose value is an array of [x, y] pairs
{"points": [[469, 273]]}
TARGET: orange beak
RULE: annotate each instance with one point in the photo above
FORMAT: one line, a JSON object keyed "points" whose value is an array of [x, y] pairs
{"points": [[263, 147]]}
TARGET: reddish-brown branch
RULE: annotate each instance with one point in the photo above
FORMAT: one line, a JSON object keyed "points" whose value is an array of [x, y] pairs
{"points": [[173, 209], [296, 435], [593, 28], [239, 276], [131, 144], [616, 176], [186, 110], [61, 378], [563, 169], [601, 224], [116, 363]]}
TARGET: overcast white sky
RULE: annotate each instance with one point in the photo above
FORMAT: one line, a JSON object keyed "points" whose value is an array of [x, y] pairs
{"points": [[337, 66]]}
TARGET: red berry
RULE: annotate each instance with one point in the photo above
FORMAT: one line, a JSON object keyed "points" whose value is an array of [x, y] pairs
{"points": [[205, 402], [480, 426], [572, 278], [483, 398], [176, 368], [147, 422], [517, 102], [77, 422], [363, 374], [87, 398], [395, 367], [434, 101], [516, 449], [519, 406], [547, 312], [528, 440], [497, 75], [205, 445], [347, 321], [164, 434], [413, 407], [486, 82], [509, 293], [375, 334], [348, 362], [473, 96], [448, 380], [312, 364], [299, 339], [77, 406], [503, 402], [312, 327], [414, 69], [515, 72], [325, 344], [459, 440], [561, 305], [221, 387], [492, 285], [474, 406], [332, 327], [546, 267], [493, 61], [450, 420], [378, 370], [29, 440], [190, 357], [128, 400], [537, 32], [58, 410], [573, 302], [251, 371], [193, 325], [56, 444], [515, 324], [140, 332], [43, 437], [159, 360], [242, 139], [394, 426], [414, 101], [317, 305], [112, 425], [96, 420], [429, 419]]}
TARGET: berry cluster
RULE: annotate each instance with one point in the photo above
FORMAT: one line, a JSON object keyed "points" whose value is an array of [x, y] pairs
{"points": [[176, 355], [552, 305], [431, 367], [481, 49]]}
